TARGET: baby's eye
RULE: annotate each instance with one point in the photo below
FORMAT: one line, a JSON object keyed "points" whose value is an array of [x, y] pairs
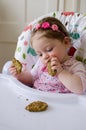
{"points": [[40, 55], [49, 49]]}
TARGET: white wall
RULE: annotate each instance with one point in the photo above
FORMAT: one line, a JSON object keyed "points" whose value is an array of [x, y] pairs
{"points": [[15, 14]]}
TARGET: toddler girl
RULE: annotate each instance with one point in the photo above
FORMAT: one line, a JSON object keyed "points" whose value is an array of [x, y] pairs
{"points": [[51, 42]]}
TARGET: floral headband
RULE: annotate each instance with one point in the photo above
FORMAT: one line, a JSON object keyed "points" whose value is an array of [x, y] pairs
{"points": [[47, 25]]}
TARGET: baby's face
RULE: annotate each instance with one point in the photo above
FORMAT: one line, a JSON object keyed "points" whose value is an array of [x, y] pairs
{"points": [[46, 48]]}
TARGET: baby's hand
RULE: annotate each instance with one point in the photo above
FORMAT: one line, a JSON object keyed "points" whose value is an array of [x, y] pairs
{"points": [[16, 67], [56, 65], [13, 71]]}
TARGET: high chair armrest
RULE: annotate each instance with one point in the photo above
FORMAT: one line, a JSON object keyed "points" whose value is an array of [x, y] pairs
{"points": [[5, 69]]}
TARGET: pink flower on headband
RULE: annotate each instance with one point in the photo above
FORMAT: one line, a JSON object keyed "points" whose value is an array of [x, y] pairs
{"points": [[54, 27], [37, 26], [45, 25]]}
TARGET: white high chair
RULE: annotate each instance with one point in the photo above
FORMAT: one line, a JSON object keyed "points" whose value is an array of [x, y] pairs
{"points": [[65, 111], [76, 26]]}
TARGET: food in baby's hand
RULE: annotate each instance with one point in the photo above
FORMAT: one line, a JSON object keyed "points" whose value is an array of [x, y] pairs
{"points": [[50, 71], [17, 64], [37, 106]]}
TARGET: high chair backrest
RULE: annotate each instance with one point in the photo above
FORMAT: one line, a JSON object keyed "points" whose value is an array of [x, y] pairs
{"points": [[76, 26]]}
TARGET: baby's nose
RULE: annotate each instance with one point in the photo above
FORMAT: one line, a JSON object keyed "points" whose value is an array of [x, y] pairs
{"points": [[45, 56]]}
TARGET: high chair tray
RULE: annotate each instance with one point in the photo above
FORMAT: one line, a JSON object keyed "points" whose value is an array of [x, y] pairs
{"points": [[65, 111]]}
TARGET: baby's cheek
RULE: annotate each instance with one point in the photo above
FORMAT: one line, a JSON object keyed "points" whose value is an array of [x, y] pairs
{"points": [[43, 61]]}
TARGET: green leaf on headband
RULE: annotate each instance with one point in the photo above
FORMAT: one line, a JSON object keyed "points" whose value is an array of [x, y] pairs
{"points": [[31, 51]]}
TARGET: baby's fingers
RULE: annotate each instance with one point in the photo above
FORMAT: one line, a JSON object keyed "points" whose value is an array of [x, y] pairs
{"points": [[55, 59], [55, 62], [12, 71]]}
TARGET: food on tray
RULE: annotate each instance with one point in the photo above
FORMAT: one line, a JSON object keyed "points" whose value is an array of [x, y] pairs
{"points": [[17, 64], [50, 71], [37, 106]]}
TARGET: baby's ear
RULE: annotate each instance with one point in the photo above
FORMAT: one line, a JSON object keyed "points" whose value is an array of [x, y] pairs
{"points": [[67, 41]]}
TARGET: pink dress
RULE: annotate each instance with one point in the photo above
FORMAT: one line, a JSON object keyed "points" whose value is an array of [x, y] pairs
{"points": [[45, 82]]}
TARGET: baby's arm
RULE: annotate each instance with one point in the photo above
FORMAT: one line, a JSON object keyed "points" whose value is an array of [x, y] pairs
{"points": [[70, 80], [25, 76]]}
